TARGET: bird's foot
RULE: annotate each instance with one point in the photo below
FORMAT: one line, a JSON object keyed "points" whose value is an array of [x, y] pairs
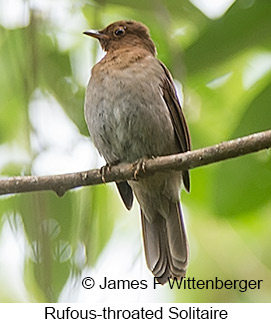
{"points": [[103, 171], [140, 167]]}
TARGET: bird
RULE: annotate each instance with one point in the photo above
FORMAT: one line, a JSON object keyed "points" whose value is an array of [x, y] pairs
{"points": [[133, 113]]}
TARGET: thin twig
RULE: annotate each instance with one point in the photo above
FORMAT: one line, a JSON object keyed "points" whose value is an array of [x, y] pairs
{"points": [[122, 172]]}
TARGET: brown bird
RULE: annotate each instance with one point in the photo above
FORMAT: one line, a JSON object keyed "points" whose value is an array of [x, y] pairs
{"points": [[133, 112]]}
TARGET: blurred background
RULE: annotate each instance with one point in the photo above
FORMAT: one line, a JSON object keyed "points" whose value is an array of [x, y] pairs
{"points": [[219, 53]]}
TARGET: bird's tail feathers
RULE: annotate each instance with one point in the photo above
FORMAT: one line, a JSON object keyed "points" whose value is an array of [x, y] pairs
{"points": [[165, 244]]}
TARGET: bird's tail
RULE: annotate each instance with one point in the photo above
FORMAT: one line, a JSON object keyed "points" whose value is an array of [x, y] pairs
{"points": [[166, 245]]}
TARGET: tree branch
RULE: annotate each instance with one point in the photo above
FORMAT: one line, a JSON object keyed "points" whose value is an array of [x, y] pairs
{"points": [[122, 172]]}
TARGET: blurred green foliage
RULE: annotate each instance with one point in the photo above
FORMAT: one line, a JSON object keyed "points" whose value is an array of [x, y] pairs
{"points": [[225, 96]]}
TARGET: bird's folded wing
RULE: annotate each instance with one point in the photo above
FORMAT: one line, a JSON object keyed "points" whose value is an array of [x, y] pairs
{"points": [[177, 117]]}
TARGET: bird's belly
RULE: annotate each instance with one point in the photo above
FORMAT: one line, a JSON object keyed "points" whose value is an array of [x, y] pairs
{"points": [[130, 121]]}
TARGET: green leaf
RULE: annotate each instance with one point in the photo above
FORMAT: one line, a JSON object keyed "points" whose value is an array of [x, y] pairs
{"points": [[243, 185], [239, 30]]}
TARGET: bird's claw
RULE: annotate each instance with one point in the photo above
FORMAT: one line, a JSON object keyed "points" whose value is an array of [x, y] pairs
{"points": [[140, 166], [103, 171]]}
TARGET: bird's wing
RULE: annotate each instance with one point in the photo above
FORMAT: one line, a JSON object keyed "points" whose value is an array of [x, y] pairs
{"points": [[126, 194], [177, 117]]}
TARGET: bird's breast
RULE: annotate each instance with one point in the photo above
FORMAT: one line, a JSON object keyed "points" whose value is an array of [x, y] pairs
{"points": [[126, 114]]}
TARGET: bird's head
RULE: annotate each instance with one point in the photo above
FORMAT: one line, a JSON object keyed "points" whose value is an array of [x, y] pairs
{"points": [[123, 34]]}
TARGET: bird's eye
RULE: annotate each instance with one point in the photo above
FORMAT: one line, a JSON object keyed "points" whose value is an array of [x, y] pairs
{"points": [[120, 31]]}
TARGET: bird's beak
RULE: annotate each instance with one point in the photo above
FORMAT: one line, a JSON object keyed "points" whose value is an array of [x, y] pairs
{"points": [[95, 33]]}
